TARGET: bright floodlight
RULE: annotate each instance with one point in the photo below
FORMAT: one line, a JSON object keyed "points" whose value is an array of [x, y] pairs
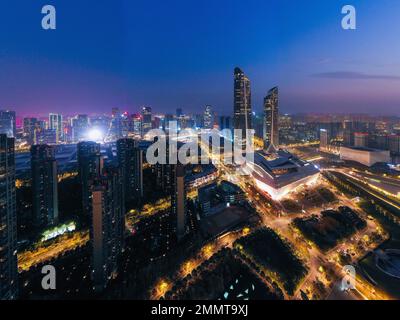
{"points": [[95, 135]]}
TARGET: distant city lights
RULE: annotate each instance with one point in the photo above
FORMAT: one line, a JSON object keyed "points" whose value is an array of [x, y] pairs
{"points": [[95, 135]]}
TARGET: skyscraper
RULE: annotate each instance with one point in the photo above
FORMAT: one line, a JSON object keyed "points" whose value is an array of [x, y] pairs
{"points": [[130, 160], [44, 185], [208, 117], [165, 172], [271, 121], [8, 123], [146, 120], [89, 168], [241, 105], [29, 129], [56, 123], [178, 199], [8, 221], [116, 128], [136, 125], [107, 227], [324, 139]]}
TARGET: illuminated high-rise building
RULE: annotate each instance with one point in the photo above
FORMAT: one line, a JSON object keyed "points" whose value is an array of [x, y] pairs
{"points": [[130, 160], [8, 123], [208, 122], [44, 185], [324, 139], [116, 127], [29, 129], [107, 227], [90, 165], [242, 105], [56, 123], [271, 121], [146, 120], [8, 221], [136, 125]]}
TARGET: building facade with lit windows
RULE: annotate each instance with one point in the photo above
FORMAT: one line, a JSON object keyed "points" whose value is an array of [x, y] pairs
{"points": [[271, 120], [242, 112], [130, 159], [90, 164], [8, 221], [44, 185], [107, 228]]}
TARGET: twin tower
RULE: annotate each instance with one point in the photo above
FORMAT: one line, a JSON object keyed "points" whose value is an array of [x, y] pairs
{"points": [[242, 119]]}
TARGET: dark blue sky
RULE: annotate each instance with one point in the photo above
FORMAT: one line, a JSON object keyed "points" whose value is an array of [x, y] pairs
{"points": [[169, 54]]}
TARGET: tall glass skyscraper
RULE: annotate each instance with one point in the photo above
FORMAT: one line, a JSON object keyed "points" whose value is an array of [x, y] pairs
{"points": [[271, 121], [242, 105], [8, 221]]}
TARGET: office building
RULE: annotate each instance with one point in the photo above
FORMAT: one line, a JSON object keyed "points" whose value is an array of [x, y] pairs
{"points": [[241, 106], [208, 122], [271, 121], [56, 123], [8, 123], [29, 129], [146, 120]]}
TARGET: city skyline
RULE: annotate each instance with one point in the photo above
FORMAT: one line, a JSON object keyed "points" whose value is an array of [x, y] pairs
{"points": [[114, 65], [200, 151]]}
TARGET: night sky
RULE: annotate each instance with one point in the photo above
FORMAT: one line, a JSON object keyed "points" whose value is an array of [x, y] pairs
{"points": [[169, 54]]}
